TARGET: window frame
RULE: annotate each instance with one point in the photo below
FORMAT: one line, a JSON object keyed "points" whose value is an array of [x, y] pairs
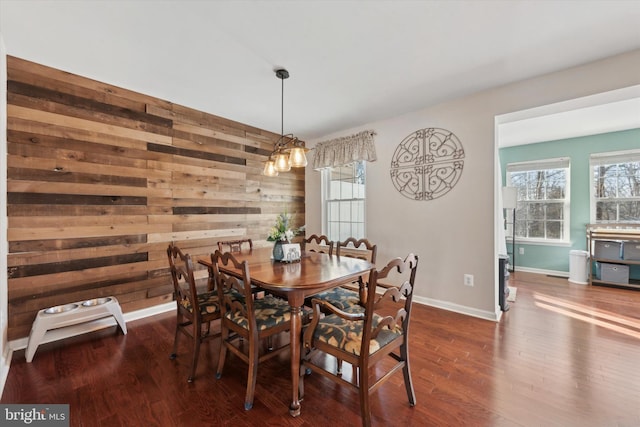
{"points": [[609, 158], [537, 166], [326, 200]]}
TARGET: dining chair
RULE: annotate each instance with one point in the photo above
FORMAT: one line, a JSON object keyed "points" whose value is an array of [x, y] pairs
{"points": [[380, 333], [235, 245], [194, 308], [246, 318], [351, 296], [318, 243]]}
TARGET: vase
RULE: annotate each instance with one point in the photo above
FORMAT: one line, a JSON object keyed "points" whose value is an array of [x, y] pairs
{"points": [[278, 252]]}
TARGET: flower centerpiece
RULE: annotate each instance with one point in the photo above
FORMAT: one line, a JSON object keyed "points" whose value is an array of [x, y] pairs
{"points": [[281, 233]]}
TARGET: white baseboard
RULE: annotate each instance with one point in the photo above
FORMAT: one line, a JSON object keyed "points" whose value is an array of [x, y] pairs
{"points": [[469, 311], [541, 271], [5, 364], [482, 314]]}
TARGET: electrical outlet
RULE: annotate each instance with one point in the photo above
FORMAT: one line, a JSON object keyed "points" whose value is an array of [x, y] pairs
{"points": [[468, 279], [521, 251]]}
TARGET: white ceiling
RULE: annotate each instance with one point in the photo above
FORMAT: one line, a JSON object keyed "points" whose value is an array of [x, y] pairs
{"points": [[351, 62]]}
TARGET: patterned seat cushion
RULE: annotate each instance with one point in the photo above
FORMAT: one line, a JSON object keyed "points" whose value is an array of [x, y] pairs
{"points": [[270, 311], [340, 297], [208, 302], [347, 335]]}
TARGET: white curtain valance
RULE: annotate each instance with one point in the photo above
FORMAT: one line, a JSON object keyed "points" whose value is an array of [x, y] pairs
{"points": [[345, 150]]}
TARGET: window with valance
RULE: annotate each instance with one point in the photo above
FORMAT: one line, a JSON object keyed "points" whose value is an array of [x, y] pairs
{"points": [[342, 162]]}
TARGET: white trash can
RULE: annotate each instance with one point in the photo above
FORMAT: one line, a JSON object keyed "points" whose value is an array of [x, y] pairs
{"points": [[579, 267]]}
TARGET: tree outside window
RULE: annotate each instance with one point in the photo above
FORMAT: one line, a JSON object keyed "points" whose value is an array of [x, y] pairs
{"points": [[616, 187], [543, 199]]}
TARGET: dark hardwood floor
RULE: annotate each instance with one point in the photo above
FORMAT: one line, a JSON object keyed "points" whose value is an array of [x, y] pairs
{"points": [[563, 355]]}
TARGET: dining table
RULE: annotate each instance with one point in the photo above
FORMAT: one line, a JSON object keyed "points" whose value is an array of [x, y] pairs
{"points": [[313, 273]]}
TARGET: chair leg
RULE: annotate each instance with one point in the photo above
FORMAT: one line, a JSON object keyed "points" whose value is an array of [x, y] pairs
{"points": [[406, 372], [196, 349], [224, 335], [174, 353], [303, 372], [253, 374], [338, 366], [363, 389]]}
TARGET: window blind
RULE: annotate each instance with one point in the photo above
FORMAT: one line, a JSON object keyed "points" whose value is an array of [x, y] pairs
{"points": [[558, 163], [603, 159]]}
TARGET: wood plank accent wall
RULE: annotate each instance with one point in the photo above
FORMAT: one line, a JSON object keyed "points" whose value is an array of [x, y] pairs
{"points": [[101, 179]]}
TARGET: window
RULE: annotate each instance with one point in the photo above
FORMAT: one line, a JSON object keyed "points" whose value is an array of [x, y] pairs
{"points": [[543, 199], [615, 187], [344, 201]]}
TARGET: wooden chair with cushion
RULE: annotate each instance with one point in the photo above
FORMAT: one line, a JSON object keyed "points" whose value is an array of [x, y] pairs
{"points": [[246, 318], [194, 309], [315, 243], [353, 296], [236, 246], [379, 333]]}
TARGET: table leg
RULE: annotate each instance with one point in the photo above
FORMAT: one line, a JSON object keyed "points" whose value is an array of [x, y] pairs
{"points": [[296, 329]]}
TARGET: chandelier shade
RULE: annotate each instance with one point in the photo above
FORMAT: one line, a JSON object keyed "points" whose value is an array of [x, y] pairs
{"points": [[270, 168], [298, 157], [282, 162]]}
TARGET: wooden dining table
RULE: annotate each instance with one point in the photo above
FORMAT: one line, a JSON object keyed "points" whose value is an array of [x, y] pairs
{"points": [[313, 273]]}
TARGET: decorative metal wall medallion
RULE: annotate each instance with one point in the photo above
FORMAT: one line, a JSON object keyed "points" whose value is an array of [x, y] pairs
{"points": [[427, 164]]}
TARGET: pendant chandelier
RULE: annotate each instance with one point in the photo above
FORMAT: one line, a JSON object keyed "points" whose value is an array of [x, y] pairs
{"points": [[288, 151]]}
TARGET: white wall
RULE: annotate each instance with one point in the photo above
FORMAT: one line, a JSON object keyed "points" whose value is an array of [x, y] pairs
{"points": [[456, 234], [5, 352]]}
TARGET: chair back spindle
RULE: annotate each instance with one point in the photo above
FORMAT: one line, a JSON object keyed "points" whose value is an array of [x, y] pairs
{"points": [[318, 243], [235, 246], [357, 248], [184, 283]]}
